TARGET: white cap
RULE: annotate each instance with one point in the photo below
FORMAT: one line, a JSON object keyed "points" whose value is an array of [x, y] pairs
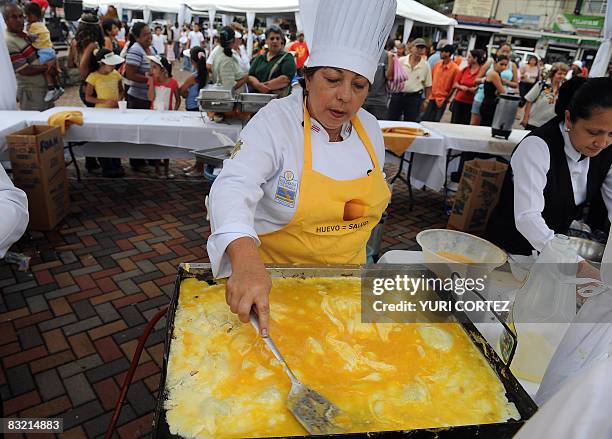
{"points": [[110, 59], [577, 63], [156, 59], [351, 34]]}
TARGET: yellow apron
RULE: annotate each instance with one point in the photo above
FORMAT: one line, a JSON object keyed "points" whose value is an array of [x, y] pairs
{"points": [[334, 218]]}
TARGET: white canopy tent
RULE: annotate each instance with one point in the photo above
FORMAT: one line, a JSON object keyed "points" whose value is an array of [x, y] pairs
{"points": [[411, 10], [604, 53]]}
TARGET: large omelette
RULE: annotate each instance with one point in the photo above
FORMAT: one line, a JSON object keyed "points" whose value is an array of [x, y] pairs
{"points": [[223, 382]]}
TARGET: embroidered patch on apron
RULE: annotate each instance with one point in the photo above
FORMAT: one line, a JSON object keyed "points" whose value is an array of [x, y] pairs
{"points": [[286, 190]]}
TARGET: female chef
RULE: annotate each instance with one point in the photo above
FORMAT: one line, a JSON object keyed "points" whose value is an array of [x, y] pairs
{"points": [[13, 211], [305, 183], [558, 168]]}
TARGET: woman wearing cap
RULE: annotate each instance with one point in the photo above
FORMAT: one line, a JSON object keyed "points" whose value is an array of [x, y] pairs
{"points": [[305, 182], [557, 169], [226, 69]]}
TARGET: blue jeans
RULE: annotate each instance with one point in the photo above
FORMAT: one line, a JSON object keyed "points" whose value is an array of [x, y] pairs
{"points": [[186, 64]]}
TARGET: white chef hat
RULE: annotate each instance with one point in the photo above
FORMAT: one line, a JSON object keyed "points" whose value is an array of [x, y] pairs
{"points": [[351, 34]]}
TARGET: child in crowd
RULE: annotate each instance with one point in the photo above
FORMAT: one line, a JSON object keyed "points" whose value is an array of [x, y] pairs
{"points": [[159, 41], [105, 81], [164, 95], [41, 40]]}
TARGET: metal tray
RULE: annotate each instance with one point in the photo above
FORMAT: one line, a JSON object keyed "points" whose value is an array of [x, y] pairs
{"points": [[514, 391], [214, 156], [253, 102], [217, 106], [215, 93]]}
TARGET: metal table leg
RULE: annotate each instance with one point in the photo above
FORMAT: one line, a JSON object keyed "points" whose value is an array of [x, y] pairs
{"points": [[406, 180], [73, 158]]}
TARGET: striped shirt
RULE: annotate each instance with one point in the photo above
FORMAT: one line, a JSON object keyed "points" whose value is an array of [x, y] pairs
{"points": [[22, 54], [137, 56]]}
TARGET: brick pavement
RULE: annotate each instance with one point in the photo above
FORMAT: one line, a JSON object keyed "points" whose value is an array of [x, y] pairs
{"points": [[69, 326]]}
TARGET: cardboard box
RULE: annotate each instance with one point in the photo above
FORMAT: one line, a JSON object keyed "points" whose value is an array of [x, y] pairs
{"points": [[477, 195], [39, 169]]}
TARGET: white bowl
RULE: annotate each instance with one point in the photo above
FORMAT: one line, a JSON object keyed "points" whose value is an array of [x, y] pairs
{"points": [[486, 257]]}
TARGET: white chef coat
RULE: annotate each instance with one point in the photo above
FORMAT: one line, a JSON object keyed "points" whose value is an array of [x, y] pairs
{"points": [[580, 410], [13, 212], [530, 164], [242, 199], [588, 340], [195, 38]]}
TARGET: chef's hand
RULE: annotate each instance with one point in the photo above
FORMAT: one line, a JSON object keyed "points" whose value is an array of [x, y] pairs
{"points": [[249, 285]]}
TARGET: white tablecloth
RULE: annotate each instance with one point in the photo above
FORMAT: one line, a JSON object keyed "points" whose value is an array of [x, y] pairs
{"points": [[143, 133], [502, 282], [470, 138], [429, 167], [429, 164], [11, 121]]}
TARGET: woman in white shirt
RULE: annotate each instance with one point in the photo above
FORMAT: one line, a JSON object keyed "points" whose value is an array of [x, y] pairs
{"points": [[13, 211], [557, 169], [542, 97], [305, 183]]}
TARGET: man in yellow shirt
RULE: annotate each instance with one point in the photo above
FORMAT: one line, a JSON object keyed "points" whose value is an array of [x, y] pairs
{"points": [[407, 103], [41, 40]]}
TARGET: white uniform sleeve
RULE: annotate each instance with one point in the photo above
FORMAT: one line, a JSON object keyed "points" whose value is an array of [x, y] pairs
{"points": [[13, 211], [581, 409], [237, 190], [530, 164]]}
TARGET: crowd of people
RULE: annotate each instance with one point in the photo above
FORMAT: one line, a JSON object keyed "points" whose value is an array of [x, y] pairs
{"points": [[422, 83], [117, 63], [413, 81]]}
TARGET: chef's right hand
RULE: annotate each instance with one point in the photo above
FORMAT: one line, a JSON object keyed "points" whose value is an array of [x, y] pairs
{"points": [[249, 285]]}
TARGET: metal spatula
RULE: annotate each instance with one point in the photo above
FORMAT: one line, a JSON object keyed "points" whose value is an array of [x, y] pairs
{"points": [[316, 414]]}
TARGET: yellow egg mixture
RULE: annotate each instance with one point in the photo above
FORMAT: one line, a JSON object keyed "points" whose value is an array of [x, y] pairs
{"points": [[224, 382], [456, 257]]}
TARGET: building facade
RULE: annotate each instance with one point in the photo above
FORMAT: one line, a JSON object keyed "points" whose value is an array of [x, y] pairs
{"points": [[556, 30]]}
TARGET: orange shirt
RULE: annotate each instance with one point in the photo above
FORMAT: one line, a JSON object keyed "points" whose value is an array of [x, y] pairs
{"points": [[443, 78], [301, 50]]}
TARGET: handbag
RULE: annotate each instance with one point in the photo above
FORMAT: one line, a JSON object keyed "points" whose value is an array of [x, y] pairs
{"points": [[396, 85], [281, 92]]}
